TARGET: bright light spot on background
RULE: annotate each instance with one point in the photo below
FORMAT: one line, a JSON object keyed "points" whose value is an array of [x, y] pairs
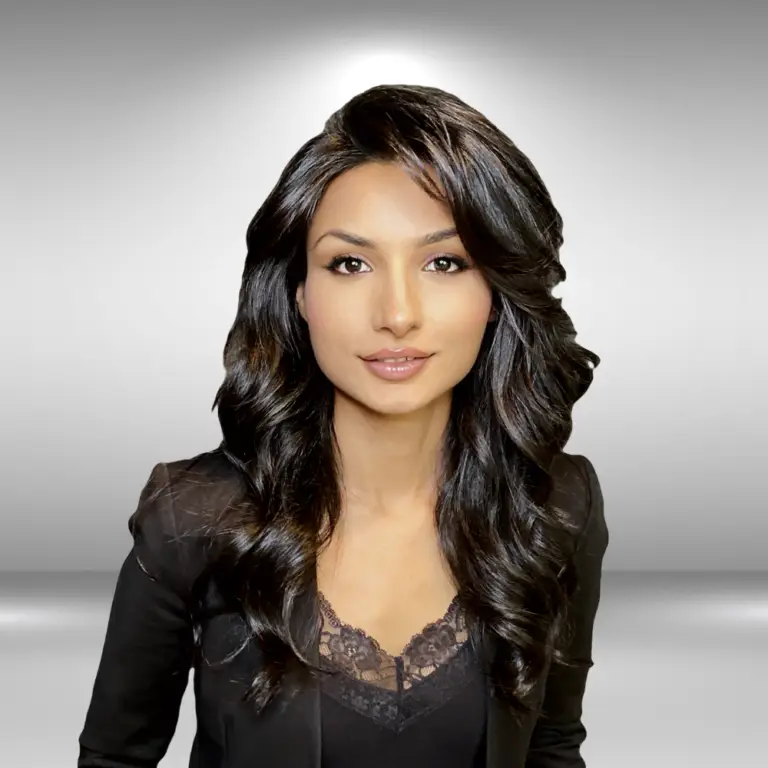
{"points": [[359, 70]]}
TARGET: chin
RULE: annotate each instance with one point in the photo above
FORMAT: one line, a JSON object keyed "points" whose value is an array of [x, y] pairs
{"points": [[399, 403]]}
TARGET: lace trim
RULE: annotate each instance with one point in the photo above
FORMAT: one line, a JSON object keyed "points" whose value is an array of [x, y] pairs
{"points": [[396, 710], [394, 690]]}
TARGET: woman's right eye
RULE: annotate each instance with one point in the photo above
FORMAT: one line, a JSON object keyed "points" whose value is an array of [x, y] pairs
{"points": [[349, 260]]}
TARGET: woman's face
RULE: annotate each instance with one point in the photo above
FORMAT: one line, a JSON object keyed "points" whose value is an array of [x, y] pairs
{"points": [[392, 293]]}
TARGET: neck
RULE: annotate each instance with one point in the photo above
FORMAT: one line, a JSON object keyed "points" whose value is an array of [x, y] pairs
{"points": [[390, 463]]}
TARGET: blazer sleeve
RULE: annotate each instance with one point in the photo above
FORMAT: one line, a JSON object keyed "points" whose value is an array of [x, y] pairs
{"points": [[149, 647], [559, 732]]}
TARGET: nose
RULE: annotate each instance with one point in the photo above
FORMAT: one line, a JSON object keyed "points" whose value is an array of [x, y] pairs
{"points": [[397, 302]]}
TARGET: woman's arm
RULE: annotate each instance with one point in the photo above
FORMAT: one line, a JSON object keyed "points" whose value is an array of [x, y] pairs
{"points": [[149, 647], [559, 732]]}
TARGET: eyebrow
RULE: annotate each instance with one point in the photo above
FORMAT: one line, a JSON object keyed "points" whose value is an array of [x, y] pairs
{"points": [[362, 242]]}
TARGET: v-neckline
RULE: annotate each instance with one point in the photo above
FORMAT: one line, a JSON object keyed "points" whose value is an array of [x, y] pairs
{"points": [[326, 603]]}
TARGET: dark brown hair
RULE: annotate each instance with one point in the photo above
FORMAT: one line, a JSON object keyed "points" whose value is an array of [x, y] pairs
{"points": [[509, 549]]}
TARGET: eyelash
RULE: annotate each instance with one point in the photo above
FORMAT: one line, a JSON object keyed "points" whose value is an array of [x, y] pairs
{"points": [[463, 264]]}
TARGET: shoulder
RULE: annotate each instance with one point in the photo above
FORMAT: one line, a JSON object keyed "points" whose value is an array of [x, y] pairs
{"points": [[173, 525], [577, 491]]}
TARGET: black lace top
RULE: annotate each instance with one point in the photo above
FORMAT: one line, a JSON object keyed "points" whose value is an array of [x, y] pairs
{"points": [[423, 708]]}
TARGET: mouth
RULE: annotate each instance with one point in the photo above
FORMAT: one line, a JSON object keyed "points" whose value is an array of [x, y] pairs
{"points": [[396, 368], [394, 359], [396, 355]]}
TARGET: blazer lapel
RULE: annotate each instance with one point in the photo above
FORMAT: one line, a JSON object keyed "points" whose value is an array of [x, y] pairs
{"points": [[307, 626], [288, 734], [313, 709], [506, 739], [507, 736]]}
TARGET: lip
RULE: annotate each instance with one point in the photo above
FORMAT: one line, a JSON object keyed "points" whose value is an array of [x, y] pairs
{"points": [[397, 371], [402, 352]]}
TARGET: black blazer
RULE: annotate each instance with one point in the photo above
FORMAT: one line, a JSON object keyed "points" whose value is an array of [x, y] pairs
{"points": [[154, 637]]}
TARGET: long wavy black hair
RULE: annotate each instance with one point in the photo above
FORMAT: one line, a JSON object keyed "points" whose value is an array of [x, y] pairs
{"points": [[508, 549]]}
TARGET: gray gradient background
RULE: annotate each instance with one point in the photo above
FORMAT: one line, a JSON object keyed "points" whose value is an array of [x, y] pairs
{"points": [[138, 140]]}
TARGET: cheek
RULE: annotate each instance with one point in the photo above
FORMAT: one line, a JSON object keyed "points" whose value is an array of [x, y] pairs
{"points": [[465, 315], [460, 327], [330, 321]]}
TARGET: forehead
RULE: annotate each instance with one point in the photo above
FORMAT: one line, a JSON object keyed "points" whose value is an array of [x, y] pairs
{"points": [[382, 201]]}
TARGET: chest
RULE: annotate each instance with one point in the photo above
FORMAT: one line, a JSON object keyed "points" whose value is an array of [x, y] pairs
{"points": [[388, 583]]}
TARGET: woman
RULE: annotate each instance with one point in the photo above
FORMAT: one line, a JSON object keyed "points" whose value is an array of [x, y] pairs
{"points": [[384, 562]]}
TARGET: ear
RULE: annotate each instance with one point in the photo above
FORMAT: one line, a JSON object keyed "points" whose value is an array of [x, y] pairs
{"points": [[493, 316], [300, 300]]}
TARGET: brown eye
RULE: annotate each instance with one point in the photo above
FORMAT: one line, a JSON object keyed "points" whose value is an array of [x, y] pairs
{"points": [[338, 260], [443, 259]]}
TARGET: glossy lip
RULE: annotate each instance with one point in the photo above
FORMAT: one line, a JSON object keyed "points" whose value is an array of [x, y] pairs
{"points": [[397, 371], [402, 352]]}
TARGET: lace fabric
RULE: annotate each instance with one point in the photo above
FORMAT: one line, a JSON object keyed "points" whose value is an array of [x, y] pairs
{"points": [[395, 690]]}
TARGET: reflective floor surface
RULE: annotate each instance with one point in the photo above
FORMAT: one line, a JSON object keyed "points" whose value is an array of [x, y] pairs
{"points": [[680, 676]]}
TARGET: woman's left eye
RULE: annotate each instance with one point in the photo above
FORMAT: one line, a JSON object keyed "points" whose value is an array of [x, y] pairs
{"points": [[462, 264]]}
